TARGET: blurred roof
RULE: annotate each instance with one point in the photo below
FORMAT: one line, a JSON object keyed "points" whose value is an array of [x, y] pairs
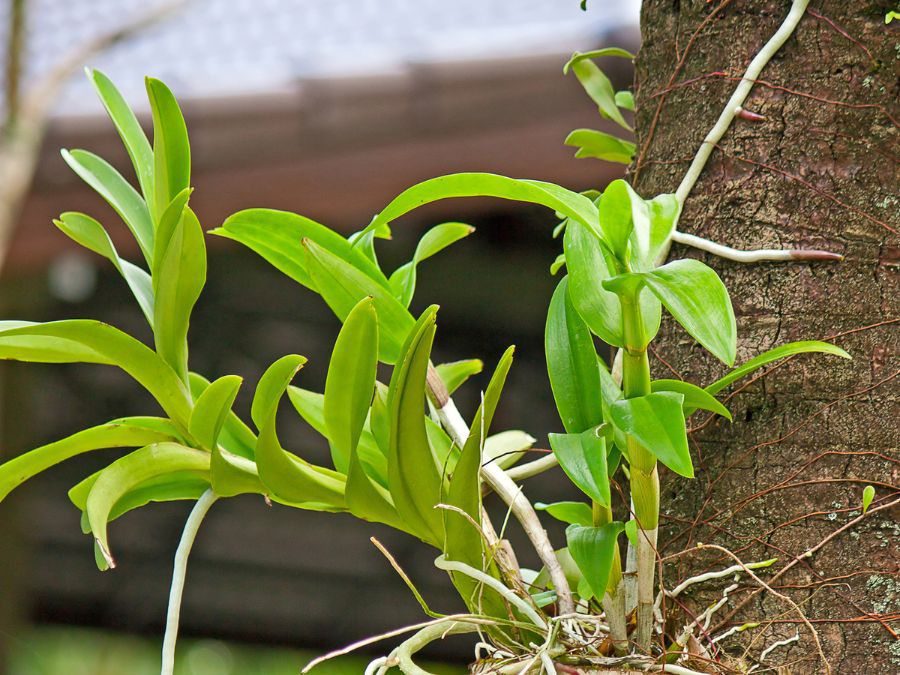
{"points": [[222, 48]]}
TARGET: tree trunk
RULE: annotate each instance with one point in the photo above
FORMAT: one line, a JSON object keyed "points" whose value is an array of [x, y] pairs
{"points": [[820, 171]]}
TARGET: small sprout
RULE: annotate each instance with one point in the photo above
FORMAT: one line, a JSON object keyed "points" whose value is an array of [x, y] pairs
{"points": [[867, 497]]}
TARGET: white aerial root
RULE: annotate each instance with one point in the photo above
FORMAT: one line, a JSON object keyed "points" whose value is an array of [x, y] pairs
{"points": [[720, 574], [529, 469], [179, 572], [729, 112]]}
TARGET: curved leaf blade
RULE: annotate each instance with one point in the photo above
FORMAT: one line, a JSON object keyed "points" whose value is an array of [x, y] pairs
{"points": [[593, 550], [118, 193], [455, 373], [171, 148], [211, 410], [600, 145], [656, 421], [350, 383], [772, 355], [127, 432], [573, 513], [694, 397], [130, 131], [695, 295], [572, 364], [573, 205], [583, 458], [116, 480]]}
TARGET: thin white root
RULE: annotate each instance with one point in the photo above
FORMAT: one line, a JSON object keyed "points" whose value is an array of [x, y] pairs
{"points": [[402, 655], [511, 494], [720, 574], [775, 645], [179, 572], [453, 566], [752, 256], [736, 629]]}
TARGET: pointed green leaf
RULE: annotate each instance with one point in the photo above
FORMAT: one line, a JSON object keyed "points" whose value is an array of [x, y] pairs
{"points": [[867, 496], [287, 476], [177, 282], [596, 54], [121, 476], [129, 128], [82, 340], [91, 234], [572, 364], [657, 422], [694, 396], [311, 407], [403, 280], [600, 145], [128, 432], [599, 88], [573, 513], [583, 458], [664, 211], [125, 200], [623, 212], [211, 410], [350, 383], [277, 237], [780, 352], [234, 435], [233, 475], [455, 373], [699, 301], [593, 550], [572, 204], [625, 100], [415, 483], [342, 286], [171, 149]]}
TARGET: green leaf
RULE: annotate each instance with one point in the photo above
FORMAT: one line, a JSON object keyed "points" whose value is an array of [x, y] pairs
{"points": [[463, 542], [403, 280], [583, 458], [89, 233], [121, 476], [599, 88], [127, 432], [571, 364], [288, 477], [625, 100], [590, 264], [277, 237], [664, 211], [622, 212], [125, 200], [507, 447], [234, 436], [571, 204], [178, 279], [129, 128], [350, 382], [593, 550], [694, 396], [656, 421], [775, 354], [596, 54], [699, 301], [455, 373], [600, 145], [342, 286], [233, 475], [171, 148], [631, 531], [573, 513], [86, 341], [415, 483], [867, 496], [311, 407], [211, 410]]}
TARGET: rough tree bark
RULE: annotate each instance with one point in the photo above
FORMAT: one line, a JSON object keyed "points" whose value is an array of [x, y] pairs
{"points": [[820, 171]]}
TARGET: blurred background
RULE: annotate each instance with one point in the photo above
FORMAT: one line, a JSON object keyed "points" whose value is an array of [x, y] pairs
{"points": [[326, 108]]}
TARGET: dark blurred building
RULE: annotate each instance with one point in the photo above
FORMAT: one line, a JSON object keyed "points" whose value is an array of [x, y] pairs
{"points": [[327, 109]]}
